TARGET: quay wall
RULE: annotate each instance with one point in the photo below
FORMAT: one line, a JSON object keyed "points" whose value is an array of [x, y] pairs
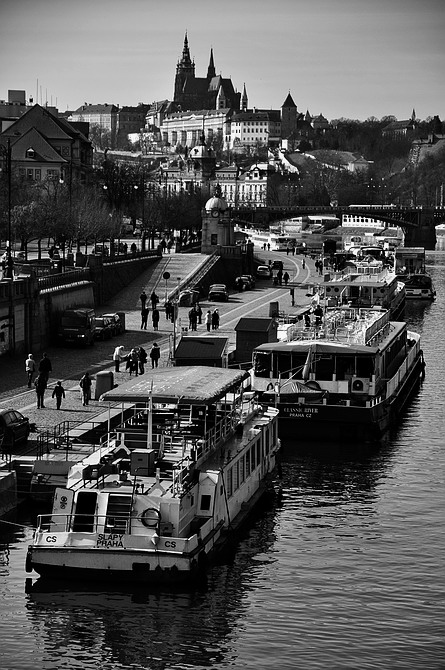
{"points": [[8, 491]]}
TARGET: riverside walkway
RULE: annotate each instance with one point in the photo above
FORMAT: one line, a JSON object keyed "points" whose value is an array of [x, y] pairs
{"points": [[69, 364]]}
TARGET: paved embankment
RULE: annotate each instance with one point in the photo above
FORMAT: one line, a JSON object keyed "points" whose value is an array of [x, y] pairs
{"points": [[69, 364]]}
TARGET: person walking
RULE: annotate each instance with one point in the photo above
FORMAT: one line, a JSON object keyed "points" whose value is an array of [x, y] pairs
{"points": [[45, 366], [215, 320], [286, 278], [143, 299], [155, 318], [118, 356], [155, 354], [144, 318], [85, 385], [199, 312], [40, 386], [30, 368], [142, 360], [58, 394], [208, 320], [154, 299], [133, 362], [193, 319], [303, 263]]}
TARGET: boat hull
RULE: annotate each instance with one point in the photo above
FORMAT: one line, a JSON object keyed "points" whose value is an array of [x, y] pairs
{"points": [[342, 423]]}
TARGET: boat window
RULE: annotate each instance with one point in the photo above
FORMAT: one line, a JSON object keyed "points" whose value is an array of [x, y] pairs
{"points": [[283, 365], [205, 502], [365, 366], [344, 367], [298, 363], [324, 367], [262, 364], [84, 517]]}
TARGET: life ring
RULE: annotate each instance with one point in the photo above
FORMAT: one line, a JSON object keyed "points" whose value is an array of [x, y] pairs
{"points": [[151, 517]]}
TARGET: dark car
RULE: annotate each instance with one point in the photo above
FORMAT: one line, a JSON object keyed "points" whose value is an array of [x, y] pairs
{"points": [[102, 328], [116, 323], [247, 282], [218, 292], [14, 428], [277, 265], [188, 297]]}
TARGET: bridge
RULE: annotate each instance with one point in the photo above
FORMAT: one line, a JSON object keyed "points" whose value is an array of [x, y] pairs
{"points": [[418, 223]]}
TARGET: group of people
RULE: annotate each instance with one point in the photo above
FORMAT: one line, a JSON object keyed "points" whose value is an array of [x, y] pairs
{"points": [[44, 368], [195, 316], [212, 320], [136, 359], [155, 315]]}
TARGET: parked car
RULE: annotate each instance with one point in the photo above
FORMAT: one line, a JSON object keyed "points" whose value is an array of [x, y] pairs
{"points": [[264, 271], [116, 323], [188, 298], [14, 428], [102, 328], [246, 281], [277, 265], [218, 292]]}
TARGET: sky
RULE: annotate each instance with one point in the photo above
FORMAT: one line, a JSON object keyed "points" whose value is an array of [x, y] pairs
{"points": [[341, 58]]}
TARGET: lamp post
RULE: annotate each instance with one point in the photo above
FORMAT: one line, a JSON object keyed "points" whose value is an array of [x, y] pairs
{"points": [[6, 151]]}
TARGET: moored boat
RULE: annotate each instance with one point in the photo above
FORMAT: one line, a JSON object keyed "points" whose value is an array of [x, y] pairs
{"points": [[345, 377], [168, 485], [411, 270]]}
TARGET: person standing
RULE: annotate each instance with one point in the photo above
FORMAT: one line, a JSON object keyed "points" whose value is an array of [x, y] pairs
{"points": [[144, 318], [208, 320], [155, 318], [199, 312], [215, 320], [133, 362], [154, 300], [40, 386], [286, 278], [155, 354], [58, 394], [303, 263], [85, 385], [143, 299], [45, 366], [30, 368], [118, 355], [142, 360], [193, 318]]}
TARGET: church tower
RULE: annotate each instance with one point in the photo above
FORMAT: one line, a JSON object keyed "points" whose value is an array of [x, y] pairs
{"points": [[244, 99], [289, 117], [211, 69], [185, 68]]}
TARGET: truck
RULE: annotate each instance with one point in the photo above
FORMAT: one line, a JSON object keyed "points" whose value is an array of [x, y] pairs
{"points": [[77, 326]]}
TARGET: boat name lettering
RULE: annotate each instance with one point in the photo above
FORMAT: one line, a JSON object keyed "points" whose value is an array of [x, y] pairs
{"points": [[302, 413], [168, 543], [51, 538], [109, 541]]}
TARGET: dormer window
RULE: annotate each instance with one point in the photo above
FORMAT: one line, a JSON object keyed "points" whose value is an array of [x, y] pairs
{"points": [[30, 153]]}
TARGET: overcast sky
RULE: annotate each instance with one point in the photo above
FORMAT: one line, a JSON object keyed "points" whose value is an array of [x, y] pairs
{"points": [[341, 58]]}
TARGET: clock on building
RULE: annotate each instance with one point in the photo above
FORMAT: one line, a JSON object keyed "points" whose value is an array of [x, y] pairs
{"points": [[215, 213]]}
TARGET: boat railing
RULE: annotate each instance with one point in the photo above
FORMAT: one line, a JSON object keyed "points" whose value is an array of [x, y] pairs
{"points": [[84, 523]]}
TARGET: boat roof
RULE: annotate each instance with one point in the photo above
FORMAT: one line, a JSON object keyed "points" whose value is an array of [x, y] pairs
{"points": [[194, 385], [304, 346]]}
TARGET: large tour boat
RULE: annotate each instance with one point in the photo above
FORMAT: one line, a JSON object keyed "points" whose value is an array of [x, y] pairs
{"points": [[167, 486], [343, 377], [365, 283]]}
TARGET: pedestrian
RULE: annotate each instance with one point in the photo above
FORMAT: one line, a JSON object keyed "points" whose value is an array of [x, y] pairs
{"points": [[154, 299], [208, 320], [307, 320], [58, 394], [85, 388], [133, 362], [143, 299], [142, 360], [45, 366], [40, 386], [303, 263], [287, 250], [118, 356], [199, 312], [292, 296], [155, 318], [286, 278], [193, 319], [268, 246], [280, 276], [215, 320], [30, 368], [144, 318], [293, 250], [168, 309], [169, 246], [155, 354]]}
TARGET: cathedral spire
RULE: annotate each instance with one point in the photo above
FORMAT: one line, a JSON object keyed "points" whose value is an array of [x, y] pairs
{"points": [[211, 69], [244, 99]]}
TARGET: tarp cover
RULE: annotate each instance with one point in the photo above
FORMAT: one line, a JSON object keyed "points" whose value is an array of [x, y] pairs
{"points": [[191, 384]]}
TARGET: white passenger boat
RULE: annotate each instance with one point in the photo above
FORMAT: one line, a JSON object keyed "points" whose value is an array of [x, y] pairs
{"points": [[168, 486], [410, 267], [344, 377]]}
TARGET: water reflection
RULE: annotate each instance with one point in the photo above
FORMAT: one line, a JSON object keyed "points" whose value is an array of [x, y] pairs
{"points": [[143, 628]]}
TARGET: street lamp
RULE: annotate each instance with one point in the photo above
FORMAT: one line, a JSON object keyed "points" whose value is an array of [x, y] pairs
{"points": [[6, 151]]}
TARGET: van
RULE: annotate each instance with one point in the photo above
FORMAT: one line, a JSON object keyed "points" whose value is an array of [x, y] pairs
{"points": [[77, 326]]}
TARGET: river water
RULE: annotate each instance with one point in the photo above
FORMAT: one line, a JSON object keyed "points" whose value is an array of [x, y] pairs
{"points": [[344, 571]]}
